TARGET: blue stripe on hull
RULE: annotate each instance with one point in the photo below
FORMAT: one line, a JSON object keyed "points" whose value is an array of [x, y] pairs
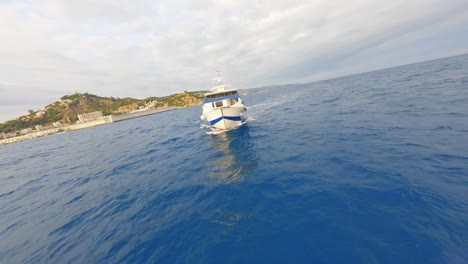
{"points": [[214, 121], [232, 118]]}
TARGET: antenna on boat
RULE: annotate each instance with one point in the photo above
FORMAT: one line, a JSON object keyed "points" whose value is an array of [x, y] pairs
{"points": [[226, 75], [219, 80], [218, 72]]}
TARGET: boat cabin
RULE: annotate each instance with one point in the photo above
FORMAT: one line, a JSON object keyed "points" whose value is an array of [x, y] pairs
{"points": [[222, 99]]}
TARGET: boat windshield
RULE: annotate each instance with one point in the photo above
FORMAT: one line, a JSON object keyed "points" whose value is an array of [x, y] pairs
{"points": [[218, 95]]}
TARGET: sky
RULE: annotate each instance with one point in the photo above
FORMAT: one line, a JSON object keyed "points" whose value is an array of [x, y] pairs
{"points": [[143, 48]]}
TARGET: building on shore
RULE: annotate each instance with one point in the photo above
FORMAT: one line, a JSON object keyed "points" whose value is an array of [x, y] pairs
{"points": [[88, 117], [7, 135], [26, 131]]}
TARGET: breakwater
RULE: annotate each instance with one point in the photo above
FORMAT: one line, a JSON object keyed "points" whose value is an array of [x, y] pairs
{"points": [[29, 136], [100, 121], [117, 118]]}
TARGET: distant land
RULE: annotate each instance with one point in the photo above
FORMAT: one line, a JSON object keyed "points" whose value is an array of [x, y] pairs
{"points": [[67, 109]]}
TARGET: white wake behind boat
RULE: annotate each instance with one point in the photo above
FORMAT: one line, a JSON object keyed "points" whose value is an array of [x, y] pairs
{"points": [[223, 108]]}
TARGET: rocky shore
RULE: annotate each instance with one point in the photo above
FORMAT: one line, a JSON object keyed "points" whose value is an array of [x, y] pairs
{"points": [[30, 136], [101, 121]]}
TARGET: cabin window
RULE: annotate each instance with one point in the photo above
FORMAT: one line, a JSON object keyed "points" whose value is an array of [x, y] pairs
{"points": [[219, 104], [221, 95]]}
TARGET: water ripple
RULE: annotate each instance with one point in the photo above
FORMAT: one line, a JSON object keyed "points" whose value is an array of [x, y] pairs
{"points": [[366, 168]]}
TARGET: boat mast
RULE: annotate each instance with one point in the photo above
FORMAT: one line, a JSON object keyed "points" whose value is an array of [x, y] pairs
{"points": [[219, 82], [220, 79]]}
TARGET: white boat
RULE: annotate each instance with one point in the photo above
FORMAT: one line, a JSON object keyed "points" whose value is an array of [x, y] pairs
{"points": [[223, 108]]}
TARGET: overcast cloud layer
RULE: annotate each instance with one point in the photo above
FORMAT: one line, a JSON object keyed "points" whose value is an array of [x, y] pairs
{"points": [[142, 48]]}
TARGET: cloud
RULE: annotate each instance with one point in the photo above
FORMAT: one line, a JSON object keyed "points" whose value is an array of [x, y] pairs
{"points": [[151, 48], [89, 10]]}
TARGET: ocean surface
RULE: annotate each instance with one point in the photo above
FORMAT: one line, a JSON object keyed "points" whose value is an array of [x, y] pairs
{"points": [[369, 168]]}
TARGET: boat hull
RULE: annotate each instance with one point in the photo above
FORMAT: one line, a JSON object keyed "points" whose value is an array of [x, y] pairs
{"points": [[225, 117]]}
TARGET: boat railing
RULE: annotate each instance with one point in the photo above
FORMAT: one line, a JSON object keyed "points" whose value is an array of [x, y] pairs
{"points": [[219, 81], [221, 87]]}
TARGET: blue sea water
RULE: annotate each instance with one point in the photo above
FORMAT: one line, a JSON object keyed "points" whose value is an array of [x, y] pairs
{"points": [[369, 168]]}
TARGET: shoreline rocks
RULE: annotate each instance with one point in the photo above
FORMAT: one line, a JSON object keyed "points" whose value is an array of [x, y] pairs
{"points": [[30, 136]]}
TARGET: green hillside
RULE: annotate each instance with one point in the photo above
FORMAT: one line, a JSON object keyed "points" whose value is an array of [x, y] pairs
{"points": [[68, 107]]}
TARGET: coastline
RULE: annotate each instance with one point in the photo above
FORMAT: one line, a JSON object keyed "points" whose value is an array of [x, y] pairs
{"points": [[101, 121]]}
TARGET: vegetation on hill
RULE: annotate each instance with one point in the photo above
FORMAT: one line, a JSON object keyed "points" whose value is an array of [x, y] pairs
{"points": [[67, 109]]}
